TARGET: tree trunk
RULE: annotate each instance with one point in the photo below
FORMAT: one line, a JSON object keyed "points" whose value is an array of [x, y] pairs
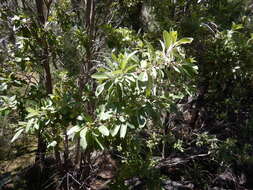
{"points": [[42, 11], [198, 104], [85, 68]]}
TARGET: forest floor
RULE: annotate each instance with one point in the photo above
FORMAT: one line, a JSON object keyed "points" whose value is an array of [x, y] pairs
{"points": [[229, 167], [14, 158], [176, 170]]}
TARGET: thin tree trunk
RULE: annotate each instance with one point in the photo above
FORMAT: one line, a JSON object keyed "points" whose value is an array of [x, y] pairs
{"points": [[66, 148], [166, 124], [198, 104], [48, 77], [42, 11], [86, 67], [43, 7]]}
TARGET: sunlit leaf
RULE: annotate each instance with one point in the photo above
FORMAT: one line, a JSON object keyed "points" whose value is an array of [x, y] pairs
{"points": [[169, 38], [103, 130], [83, 140], [130, 68], [122, 118], [52, 144], [125, 61], [123, 130], [29, 125], [104, 115], [176, 69], [100, 76], [115, 130], [189, 69], [73, 130], [117, 72], [184, 41], [130, 125], [18, 133], [3, 86], [163, 46], [237, 26], [32, 113], [99, 89], [79, 118], [143, 77], [153, 73]]}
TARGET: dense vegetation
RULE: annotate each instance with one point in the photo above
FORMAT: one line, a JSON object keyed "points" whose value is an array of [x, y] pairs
{"points": [[126, 94]]}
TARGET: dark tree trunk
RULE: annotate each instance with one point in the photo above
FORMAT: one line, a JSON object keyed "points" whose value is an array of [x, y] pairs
{"points": [[42, 11], [85, 68], [198, 103]]}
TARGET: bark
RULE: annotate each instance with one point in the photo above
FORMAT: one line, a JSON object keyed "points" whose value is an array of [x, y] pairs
{"points": [[198, 103], [66, 148], [48, 77], [42, 11], [165, 133], [43, 8], [86, 66], [41, 149]]}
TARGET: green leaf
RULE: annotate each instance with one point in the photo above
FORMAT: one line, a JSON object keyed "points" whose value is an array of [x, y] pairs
{"points": [[163, 46], [114, 57], [79, 118], [141, 121], [103, 130], [104, 115], [3, 86], [29, 125], [83, 140], [32, 113], [123, 130], [73, 130], [116, 72], [190, 70], [83, 143], [125, 61], [176, 69], [100, 89], [18, 133], [130, 68], [123, 64], [184, 41], [173, 35], [100, 76], [144, 64], [122, 118], [130, 78], [153, 73], [149, 87], [36, 126], [88, 118], [100, 144], [143, 77], [83, 132], [52, 144], [115, 130], [166, 38], [237, 26], [130, 125], [18, 59], [169, 38]]}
